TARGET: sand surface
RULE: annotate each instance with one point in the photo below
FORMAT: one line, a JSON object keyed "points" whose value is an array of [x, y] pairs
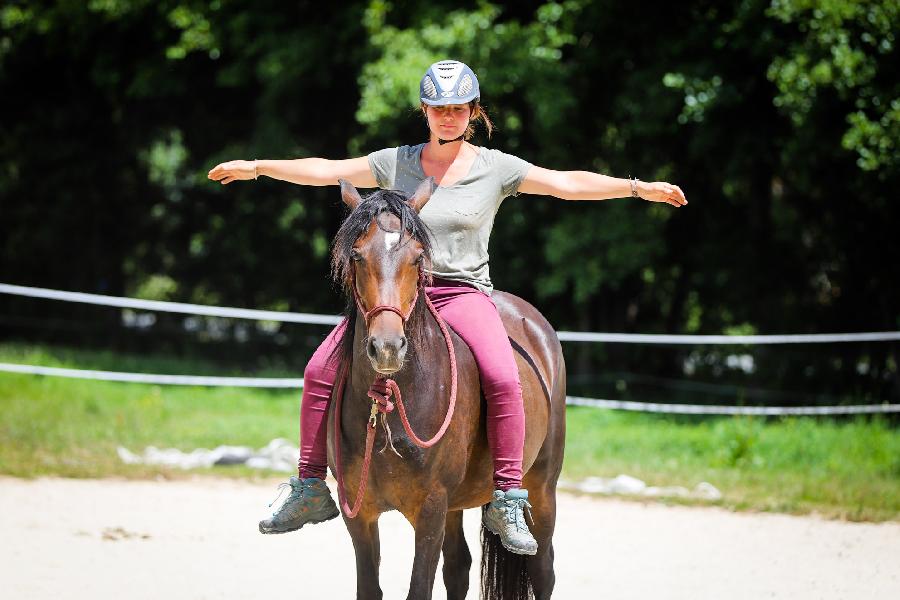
{"points": [[197, 539]]}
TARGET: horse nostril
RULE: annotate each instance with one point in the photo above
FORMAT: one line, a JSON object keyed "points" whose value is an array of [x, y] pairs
{"points": [[371, 350], [402, 342]]}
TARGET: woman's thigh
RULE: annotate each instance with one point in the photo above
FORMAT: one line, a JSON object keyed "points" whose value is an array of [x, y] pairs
{"points": [[324, 360], [474, 317]]}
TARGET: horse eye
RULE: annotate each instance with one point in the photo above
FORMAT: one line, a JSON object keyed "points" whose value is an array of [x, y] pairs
{"points": [[355, 255]]}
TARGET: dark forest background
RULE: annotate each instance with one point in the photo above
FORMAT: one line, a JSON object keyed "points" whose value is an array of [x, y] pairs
{"points": [[779, 119]]}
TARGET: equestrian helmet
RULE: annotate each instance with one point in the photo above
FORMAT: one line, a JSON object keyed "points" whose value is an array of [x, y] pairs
{"points": [[449, 82]]}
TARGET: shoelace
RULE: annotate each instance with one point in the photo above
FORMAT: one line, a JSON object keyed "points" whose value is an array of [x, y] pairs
{"points": [[283, 486], [515, 513]]}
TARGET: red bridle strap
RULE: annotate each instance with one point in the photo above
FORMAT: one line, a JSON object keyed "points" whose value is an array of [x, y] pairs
{"points": [[368, 315]]}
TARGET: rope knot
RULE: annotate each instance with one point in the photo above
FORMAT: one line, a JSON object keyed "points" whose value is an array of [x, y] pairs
{"points": [[380, 392]]}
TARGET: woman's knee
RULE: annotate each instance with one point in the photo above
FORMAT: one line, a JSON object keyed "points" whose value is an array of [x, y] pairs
{"points": [[501, 383], [319, 371]]}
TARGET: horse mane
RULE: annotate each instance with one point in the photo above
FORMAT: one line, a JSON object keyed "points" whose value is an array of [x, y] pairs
{"points": [[393, 202]]}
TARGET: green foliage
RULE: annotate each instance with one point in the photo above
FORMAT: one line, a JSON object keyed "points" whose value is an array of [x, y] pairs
{"points": [[846, 47], [195, 30], [165, 160], [511, 57], [698, 94], [156, 287], [778, 118], [591, 256]]}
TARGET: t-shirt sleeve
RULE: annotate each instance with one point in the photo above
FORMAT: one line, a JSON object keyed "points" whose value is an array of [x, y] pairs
{"points": [[383, 164], [512, 171]]}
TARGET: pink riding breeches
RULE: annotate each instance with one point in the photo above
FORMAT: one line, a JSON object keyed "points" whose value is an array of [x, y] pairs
{"points": [[473, 316]]}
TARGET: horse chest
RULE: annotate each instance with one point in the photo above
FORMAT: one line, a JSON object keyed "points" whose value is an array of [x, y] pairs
{"points": [[411, 457]]}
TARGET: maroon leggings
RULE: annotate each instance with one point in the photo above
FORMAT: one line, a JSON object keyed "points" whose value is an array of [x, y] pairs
{"points": [[473, 316]]}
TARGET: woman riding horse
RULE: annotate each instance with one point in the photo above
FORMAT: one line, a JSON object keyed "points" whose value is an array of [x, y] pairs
{"points": [[471, 181]]}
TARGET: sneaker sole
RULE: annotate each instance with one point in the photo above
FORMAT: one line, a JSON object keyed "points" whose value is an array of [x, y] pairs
{"points": [[512, 549], [310, 522]]}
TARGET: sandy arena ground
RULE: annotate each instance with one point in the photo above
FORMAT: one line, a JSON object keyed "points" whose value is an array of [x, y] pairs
{"points": [[197, 539]]}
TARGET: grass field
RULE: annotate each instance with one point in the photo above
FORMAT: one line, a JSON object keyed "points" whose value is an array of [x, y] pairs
{"points": [[847, 468]]}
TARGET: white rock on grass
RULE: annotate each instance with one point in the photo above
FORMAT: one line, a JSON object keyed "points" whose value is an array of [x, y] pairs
{"points": [[707, 491], [590, 485], [279, 455], [626, 484], [632, 486], [622, 484]]}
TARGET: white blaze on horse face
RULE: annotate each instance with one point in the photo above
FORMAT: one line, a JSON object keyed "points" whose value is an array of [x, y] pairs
{"points": [[391, 240]]}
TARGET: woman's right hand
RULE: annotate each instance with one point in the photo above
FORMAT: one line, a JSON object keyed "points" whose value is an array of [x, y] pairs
{"points": [[233, 170]]}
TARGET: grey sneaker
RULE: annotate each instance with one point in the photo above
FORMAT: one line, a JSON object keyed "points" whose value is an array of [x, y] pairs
{"points": [[309, 502], [505, 516]]}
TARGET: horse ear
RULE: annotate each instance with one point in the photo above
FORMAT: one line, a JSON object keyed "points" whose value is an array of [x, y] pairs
{"points": [[422, 195], [349, 194]]}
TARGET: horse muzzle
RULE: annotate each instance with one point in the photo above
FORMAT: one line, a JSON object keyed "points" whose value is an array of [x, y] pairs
{"points": [[386, 353]]}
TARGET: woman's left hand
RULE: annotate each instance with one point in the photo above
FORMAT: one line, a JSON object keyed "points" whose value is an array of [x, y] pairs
{"points": [[660, 191]]}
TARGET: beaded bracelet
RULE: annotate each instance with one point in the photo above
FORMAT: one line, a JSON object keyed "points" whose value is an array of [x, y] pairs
{"points": [[633, 182]]}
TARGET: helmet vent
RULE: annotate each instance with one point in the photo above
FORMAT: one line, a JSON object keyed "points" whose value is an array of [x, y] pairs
{"points": [[428, 87], [465, 86]]}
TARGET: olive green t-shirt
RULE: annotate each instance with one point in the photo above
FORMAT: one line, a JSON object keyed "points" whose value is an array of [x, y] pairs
{"points": [[461, 215]]}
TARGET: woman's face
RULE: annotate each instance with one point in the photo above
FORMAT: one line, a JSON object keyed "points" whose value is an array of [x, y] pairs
{"points": [[448, 122]]}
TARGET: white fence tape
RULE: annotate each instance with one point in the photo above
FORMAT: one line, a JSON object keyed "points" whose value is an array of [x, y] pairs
{"points": [[688, 409], [565, 336], [568, 336], [736, 340], [257, 382], [700, 409], [173, 307]]}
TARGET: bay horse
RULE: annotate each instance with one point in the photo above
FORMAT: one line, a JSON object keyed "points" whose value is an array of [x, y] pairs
{"points": [[379, 257]]}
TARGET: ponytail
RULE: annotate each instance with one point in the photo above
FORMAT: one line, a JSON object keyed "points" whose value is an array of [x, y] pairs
{"points": [[478, 114]]}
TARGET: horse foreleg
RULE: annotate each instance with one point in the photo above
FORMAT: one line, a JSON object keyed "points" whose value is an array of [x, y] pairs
{"points": [[364, 533], [540, 566], [457, 559], [429, 525]]}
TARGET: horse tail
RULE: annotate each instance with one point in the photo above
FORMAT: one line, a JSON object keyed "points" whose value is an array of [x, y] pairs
{"points": [[504, 575]]}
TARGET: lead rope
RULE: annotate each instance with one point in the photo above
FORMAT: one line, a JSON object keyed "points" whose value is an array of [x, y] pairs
{"points": [[381, 403]]}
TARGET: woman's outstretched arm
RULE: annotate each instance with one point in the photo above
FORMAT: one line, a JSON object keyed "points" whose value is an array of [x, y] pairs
{"points": [[584, 185], [302, 171]]}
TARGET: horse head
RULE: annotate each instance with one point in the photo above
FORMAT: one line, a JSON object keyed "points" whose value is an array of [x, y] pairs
{"points": [[379, 256]]}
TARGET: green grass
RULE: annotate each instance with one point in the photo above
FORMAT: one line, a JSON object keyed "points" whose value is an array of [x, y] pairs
{"points": [[71, 427], [838, 468], [54, 426]]}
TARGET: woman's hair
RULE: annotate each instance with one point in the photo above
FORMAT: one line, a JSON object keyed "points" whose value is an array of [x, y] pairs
{"points": [[478, 114]]}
